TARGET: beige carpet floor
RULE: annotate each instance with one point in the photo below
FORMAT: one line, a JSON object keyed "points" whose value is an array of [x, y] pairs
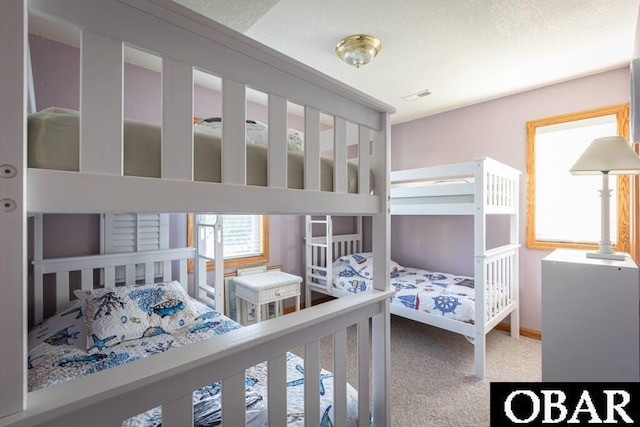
{"points": [[432, 382]]}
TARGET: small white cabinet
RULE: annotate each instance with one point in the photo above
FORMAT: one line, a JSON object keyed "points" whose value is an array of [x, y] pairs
{"points": [[590, 318]]}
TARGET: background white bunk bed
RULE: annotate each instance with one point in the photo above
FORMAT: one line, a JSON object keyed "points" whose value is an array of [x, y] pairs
{"points": [[480, 188], [187, 41]]}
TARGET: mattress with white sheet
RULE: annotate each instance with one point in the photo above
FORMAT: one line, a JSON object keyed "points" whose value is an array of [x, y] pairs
{"points": [[441, 294], [53, 141], [135, 322]]}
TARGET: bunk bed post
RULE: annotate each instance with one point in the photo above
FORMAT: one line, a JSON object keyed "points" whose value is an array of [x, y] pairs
{"points": [[479, 248], [381, 237], [514, 236], [13, 213]]}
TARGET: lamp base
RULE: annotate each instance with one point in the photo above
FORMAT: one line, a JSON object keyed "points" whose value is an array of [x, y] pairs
{"points": [[612, 256]]}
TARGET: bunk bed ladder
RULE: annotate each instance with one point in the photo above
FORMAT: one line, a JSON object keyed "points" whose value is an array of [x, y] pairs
{"points": [[319, 256], [205, 292]]}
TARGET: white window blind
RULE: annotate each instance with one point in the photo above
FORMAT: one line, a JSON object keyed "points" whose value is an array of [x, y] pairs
{"points": [[134, 232], [241, 236]]}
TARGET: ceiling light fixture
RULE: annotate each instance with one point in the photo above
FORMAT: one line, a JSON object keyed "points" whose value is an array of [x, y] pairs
{"points": [[358, 49]]}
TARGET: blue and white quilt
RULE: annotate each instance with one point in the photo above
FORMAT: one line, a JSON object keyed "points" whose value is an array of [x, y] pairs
{"points": [[441, 294], [57, 353]]}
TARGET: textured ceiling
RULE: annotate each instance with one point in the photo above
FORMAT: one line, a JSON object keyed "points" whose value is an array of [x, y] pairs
{"points": [[464, 51]]}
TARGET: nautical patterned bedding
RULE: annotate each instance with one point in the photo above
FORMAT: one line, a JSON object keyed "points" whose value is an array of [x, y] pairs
{"points": [[441, 294], [57, 353]]}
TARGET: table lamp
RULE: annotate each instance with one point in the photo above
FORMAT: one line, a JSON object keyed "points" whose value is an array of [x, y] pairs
{"points": [[610, 155]]}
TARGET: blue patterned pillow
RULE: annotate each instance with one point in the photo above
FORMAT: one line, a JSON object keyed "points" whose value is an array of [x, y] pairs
{"points": [[115, 315]]}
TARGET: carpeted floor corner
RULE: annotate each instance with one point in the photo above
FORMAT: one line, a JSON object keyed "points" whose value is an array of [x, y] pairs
{"points": [[432, 382]]}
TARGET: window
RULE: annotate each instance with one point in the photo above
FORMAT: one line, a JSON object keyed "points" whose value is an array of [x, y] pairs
{"points": [[245, 237], [563, 210]]}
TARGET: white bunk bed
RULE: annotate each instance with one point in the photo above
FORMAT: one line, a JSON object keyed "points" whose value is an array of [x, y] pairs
{"points": [[187, 41], [480, 188]]}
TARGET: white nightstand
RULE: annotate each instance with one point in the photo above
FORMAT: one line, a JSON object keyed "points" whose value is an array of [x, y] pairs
{"points": [[590, 318], [260, 287]]}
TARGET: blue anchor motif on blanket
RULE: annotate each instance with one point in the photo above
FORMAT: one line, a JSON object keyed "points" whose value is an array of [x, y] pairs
{"points": [[300, 381], [446, 304], [100, 343], [326, 420], [62, 337]]}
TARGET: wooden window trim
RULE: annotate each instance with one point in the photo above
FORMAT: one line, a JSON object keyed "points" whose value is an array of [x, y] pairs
{"points": [[235, 262], [626, 186]]}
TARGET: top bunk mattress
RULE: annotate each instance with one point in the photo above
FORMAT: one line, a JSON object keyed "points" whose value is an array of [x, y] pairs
{"points": [[53, 143]]}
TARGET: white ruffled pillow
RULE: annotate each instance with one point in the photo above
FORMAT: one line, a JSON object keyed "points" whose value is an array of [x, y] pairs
{"points": [[114, 315]]}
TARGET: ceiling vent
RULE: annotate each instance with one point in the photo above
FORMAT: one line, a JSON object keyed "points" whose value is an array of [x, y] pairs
{"points": [[418, 95]]}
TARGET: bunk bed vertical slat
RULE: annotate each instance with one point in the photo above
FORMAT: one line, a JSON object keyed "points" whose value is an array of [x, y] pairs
{"points": [[177, 119], [277, 164], [109, 277], [62, 288], [311, 148], [101, 104], [38, 295], [312, 383], [86, 279], [364, 160], [149, 272], [166, 271], [277, 390], [514, 235], [178, 413], [363, 370], [340, 377], [234, 151], [130, 273], [183, 278], [340, 155], [233, 400]]}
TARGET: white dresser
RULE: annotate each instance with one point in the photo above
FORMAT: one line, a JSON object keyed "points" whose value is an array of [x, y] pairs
{"points": [[590, 318]]}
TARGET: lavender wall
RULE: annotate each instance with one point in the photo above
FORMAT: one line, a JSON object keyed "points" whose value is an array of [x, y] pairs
{"points": [[495, 129]]}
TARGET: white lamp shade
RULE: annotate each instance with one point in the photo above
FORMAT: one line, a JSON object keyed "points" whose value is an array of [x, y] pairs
{"points": [[610, 154]]}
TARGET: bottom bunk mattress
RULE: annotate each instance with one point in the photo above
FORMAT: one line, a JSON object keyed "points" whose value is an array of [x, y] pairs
{"points": [[441, 294], [59, 350]]}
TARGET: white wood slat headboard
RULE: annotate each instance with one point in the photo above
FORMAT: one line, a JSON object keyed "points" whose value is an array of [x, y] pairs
{"points": [[107, 264]]}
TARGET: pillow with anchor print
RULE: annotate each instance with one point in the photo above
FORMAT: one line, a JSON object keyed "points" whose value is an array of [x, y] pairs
{"points": [[116, 315]]}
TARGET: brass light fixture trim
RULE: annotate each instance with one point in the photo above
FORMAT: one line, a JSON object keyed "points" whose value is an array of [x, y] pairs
{"points": [[358, 49]]}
